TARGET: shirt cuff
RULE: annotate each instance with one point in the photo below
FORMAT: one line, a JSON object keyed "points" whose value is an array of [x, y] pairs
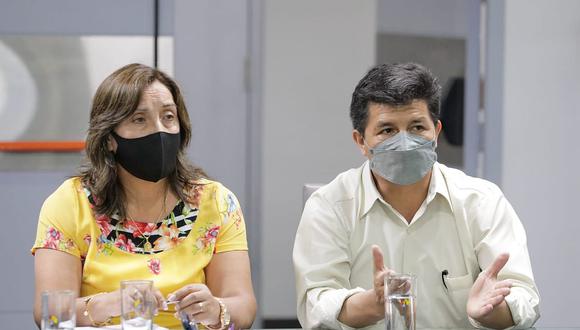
{"points": [[329, 306], [475, 324], [523, 308], [524, 312], [478, 325]]}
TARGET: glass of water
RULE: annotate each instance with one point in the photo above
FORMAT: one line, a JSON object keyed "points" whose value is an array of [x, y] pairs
{"points": [[137, 305], [58, 310], [400, 295]]}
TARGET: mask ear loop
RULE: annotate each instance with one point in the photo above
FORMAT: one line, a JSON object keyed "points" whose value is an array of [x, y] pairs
{"points": [[435, 136], [109, 157], [110, 160], [369, 149], [434, 139]]}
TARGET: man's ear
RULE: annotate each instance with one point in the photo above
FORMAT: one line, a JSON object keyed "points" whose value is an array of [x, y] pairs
{"points": [[359, 140], [438, 128]]}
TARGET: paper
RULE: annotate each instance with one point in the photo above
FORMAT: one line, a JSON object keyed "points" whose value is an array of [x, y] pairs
{"points": [[117, 327]]}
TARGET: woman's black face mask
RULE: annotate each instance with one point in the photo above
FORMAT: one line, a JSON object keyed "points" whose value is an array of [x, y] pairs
{"points": [[151, 158]]}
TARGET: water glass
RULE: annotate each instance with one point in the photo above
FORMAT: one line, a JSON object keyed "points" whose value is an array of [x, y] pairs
{"points": [[137, 305], [400, 295], [58, 310]]}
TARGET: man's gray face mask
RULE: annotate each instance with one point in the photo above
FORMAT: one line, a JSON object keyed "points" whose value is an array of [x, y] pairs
{"points": [[403, 159]]}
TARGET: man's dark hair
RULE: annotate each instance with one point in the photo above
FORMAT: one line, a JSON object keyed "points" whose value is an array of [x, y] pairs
{"points": [[395, 85]]}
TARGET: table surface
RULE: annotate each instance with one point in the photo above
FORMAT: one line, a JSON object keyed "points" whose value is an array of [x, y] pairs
{"points": [[535, 328]]}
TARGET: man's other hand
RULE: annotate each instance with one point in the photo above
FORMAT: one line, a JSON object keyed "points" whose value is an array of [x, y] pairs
{"points": [[486, 303]]}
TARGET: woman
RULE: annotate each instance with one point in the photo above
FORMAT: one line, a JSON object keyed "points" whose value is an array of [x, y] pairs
{"points": [[138, 210]]}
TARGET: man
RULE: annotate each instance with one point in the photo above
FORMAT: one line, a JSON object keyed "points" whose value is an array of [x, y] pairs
{"points": [[403, 212]]}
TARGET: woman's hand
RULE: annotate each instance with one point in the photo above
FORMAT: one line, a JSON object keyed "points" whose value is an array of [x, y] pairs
{"points": [[198, 303], [161, 304]]}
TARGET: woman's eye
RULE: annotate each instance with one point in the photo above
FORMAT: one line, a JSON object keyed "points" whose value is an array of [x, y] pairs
{"points": [[138, 120], [169, 116]]}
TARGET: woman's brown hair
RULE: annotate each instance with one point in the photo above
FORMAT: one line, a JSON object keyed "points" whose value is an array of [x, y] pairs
{"points": [[116, 99]]}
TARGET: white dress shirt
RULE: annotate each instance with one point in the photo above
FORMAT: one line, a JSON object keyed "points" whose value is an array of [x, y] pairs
{"points": [[462, 226]]}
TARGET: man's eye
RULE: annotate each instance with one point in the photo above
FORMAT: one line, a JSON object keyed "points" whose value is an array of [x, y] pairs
{"points": [[418, 128], [387, 131]]}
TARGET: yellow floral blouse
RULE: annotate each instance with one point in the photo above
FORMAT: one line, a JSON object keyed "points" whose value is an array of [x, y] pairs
{"points": [[172, 253]]}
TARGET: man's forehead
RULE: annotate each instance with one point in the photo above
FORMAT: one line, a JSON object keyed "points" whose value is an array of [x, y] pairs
{"points": [[412, 111], [418, 103]]}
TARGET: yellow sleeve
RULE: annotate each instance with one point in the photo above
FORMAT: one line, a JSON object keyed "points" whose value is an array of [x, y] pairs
{"points": [[232, 235], [57, 221]]}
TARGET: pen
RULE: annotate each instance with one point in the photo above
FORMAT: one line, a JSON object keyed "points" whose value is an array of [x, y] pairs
{"points": [[443, 274], [183, 317], [187, 325]]}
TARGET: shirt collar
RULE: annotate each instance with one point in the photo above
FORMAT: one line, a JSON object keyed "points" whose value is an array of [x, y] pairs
{"points": [[371, 193], [437, 185]]}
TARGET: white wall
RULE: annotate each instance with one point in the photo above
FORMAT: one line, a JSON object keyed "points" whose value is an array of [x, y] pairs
{"points": [[540, 156], [315, 52], [441, 18], [209, 68], [22, 192], [21, 196], [458, 22]]}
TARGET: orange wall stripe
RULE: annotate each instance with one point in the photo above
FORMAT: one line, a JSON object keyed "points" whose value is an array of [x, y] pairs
{"points": [[42, 146]]}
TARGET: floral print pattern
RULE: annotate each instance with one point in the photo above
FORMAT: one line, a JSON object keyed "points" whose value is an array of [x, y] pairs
{"points": [[141, 229], [114, 235], [125, 244], [104, 246], [206, 242], [103, 223], [54, 239], [195, 195], [140, 237], [154, 266], [87, 239], [233, 211], [169, 237]]}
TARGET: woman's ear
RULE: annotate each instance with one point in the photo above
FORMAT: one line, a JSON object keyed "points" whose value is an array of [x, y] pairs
{"points": [[111, 144]]}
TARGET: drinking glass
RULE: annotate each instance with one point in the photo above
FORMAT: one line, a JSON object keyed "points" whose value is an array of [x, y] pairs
{"points": [[58, 310], [137, 305], [400, 296]]}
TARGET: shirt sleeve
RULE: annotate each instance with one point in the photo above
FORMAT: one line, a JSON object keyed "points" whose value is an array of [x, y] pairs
{"points": [[232, 234], [321, 265], [57, 222], [501, 231]]}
